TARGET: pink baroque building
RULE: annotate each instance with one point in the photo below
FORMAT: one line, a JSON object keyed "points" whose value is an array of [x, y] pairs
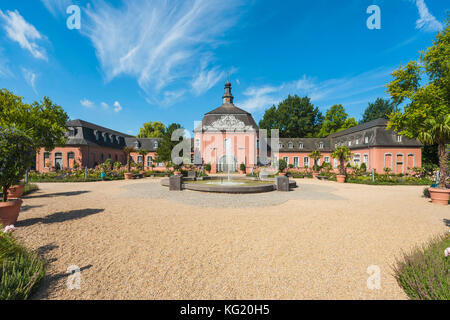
{"points": [[228, 137]]}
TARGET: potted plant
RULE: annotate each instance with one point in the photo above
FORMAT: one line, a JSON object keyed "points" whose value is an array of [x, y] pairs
{"points": [[315, 155], [282, 165], [177, 169], [242, 168], [16, 155], [426, 115], [16, 190], [128, 175], [208, 167], [343, 154]]}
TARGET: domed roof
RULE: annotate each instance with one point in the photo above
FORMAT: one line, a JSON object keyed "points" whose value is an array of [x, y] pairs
{"points": [[228, 117]]}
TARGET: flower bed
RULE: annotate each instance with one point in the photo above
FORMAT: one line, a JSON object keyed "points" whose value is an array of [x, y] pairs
{"points": [[75, 176], [424, 272], [21, 270]]}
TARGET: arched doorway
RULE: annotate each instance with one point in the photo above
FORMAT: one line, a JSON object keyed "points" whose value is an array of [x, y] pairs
{"points": [[227, 163]]}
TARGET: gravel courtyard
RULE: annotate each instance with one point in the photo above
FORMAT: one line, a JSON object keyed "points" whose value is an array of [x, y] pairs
{"points": [[137, 240]]}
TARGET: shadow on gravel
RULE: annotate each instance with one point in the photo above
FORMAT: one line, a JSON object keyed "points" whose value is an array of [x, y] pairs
{"points": [[51, 281], [59, 194], [59, 217], [27, 207]]}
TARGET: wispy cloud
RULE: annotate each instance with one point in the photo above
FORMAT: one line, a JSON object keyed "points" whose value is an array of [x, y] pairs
{"points": [[56, 7], [30, 78], [104, 105], [158, 42], [427, 21], [349, 90], [23, 33], [117, 107], [86, 103]]}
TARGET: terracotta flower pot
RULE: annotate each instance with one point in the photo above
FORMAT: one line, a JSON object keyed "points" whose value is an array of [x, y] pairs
{"points": [[15, 192], [282, 173], [340, 178], [315, 175], [9, 212], [128, 175], [177, 173], [440, 196]]}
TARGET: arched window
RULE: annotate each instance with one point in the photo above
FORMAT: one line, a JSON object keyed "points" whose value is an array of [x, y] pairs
{"points": [[149, 161], [47, 163], [140, 159], [290, 145], [58, 161]]}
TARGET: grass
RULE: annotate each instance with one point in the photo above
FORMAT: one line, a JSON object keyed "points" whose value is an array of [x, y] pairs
{"points": [[21, 270], [423, 273]]}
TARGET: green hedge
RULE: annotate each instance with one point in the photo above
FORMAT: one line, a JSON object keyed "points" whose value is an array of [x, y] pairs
{"points": [[424, 272], [21, 270]]}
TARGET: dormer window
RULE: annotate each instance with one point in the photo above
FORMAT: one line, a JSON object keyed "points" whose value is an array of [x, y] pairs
{"points": [[300, 145], [155, 144], [357, 141], [290, 145], [399, 138], [321, 145], [98, 134], [349, 143], [280, 145], [137, 144], [366, 140]]}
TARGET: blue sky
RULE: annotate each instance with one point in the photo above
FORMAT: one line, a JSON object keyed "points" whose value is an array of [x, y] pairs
{"points": [[136, 61]]}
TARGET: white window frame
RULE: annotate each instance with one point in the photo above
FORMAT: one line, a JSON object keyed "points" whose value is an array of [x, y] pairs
{"points": [[326, 159], [286, 159], [296, 162], [305, 162]]}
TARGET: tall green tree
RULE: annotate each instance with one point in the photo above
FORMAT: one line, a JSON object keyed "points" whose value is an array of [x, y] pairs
{"points": [[380, 108], [151, 129], [426, 115], [294, 117], [43, 122], [336, 119], [165, 147]]}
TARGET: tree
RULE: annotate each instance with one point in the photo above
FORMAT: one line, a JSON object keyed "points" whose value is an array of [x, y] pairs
{"points": [[426, 115], [128, 151], [315, 155], [294, 117], [164, 151], [143, 153], [381, 108], [343, 154], [336, 119], [151, 129], [44, 122], [16, 155]]}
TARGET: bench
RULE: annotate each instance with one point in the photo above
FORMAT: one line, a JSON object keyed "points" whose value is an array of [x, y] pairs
{"points": [[322, 177]]}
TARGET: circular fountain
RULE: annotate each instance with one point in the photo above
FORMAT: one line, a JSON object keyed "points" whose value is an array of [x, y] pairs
{"points": [[228, 184]]}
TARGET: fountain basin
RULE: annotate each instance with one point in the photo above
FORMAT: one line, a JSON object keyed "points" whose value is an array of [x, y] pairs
{"points": [[225, 185]]}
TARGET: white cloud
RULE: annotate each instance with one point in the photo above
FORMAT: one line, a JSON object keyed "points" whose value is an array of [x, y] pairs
{"points": [[56, 7], [104, 105], [158, 42], [23, 33], [346, 90], [427, 21], [87, 103], [30, 78], [117, 107]]}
